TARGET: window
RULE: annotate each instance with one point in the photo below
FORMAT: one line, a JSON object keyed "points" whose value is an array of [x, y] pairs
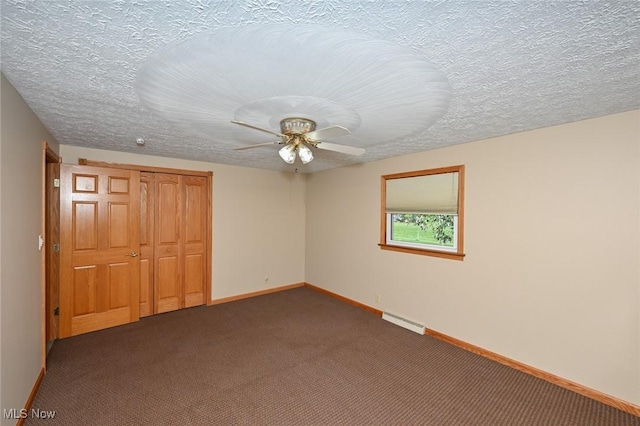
{"points": [[422, 212]]}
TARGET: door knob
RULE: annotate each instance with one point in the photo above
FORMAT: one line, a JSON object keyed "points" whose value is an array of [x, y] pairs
{"points": [[132, 254]]}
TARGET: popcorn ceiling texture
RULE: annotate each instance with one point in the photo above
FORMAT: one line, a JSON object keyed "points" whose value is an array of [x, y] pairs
{"points": [[261, 74], [510, 66]]}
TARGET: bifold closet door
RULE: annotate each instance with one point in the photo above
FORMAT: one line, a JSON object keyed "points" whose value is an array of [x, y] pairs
{"points": [[168, 292], [194, 226], [147, 231], [180, 241]]}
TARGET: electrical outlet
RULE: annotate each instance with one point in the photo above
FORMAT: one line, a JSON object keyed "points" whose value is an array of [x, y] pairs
{"points": [[377, 298]]}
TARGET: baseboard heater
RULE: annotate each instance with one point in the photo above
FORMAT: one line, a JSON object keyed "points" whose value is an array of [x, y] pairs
{"points": [[403, 322]]}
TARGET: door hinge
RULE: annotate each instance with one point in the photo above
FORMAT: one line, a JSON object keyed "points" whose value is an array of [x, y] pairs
{"points": [[56, 311], [56, 248], [56, 183]]}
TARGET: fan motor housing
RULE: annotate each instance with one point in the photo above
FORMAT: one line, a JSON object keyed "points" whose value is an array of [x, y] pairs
{"points": [[297, 125]]}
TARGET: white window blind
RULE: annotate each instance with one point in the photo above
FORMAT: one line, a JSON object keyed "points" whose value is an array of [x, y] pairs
{"points": [[427, 194]]}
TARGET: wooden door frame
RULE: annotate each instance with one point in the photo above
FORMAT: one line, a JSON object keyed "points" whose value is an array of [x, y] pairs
{"points": [[209, 213], [48, 156]]}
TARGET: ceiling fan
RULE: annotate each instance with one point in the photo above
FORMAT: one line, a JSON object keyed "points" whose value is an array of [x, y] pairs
{"points": [[298, 135]]}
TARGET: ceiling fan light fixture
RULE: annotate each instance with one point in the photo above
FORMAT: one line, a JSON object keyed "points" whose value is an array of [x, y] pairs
{"points": [[297, 125], [187, 83], [305, 154], [288, 153]]}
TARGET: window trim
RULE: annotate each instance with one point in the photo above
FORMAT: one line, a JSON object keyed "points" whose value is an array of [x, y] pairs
{"points": [[458, 254]]}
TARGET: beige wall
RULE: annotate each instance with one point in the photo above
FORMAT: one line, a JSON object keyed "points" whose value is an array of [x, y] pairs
{"points": [[551, 276], [258, 221], [21, 301]]}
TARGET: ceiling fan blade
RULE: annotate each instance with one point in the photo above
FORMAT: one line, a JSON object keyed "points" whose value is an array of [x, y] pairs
{"points": [[257, 145], [351, 150], [327, 133], [242, 123]]}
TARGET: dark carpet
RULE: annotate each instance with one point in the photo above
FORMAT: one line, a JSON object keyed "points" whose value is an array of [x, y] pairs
{"points": [[295, 357]]}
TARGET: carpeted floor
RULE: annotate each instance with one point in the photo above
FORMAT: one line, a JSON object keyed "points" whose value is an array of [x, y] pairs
{"points": [[295, 357]]}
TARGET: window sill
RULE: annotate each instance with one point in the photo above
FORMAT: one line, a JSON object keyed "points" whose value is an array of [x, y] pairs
{"points": [[423, 252]]}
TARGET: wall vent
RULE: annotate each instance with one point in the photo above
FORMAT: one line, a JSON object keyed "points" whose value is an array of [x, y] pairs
{"points": [[403, 322]]}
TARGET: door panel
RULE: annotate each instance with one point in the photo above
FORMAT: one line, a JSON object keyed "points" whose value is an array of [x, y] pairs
{"points": [[194, 279], [167, 252], [119, 217], [84, 290], [85, 225], [168, 284], [99, 211], [168, 209], [119, 285], [195, 231], [147, 203], [118, 185], [194, 214], [146, 287]]}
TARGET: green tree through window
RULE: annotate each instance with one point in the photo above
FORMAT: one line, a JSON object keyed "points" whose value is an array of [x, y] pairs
{"points": [[440, 227]]}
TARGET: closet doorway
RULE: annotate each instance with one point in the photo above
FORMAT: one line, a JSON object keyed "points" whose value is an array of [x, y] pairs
{"points": [[171, 251]]}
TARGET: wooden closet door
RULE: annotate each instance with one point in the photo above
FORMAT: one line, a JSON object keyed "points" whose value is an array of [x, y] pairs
{"points": [[147, 234], [180, 241], [99, 245], [195, 238], [168, 293]]}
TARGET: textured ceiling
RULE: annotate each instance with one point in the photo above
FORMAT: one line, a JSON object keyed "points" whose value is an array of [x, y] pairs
{"points": [[86, 67]]}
